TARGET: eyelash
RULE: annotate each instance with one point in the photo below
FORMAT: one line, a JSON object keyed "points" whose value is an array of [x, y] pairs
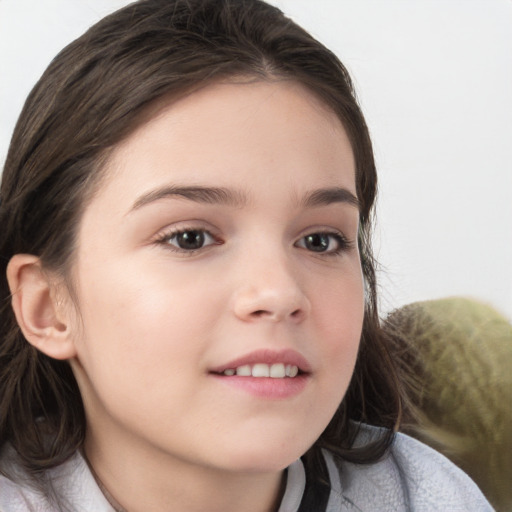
{"points": [[343, 244]]}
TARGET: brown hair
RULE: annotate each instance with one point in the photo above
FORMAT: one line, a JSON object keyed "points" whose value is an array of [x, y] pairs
{"points": [[90, 97]]}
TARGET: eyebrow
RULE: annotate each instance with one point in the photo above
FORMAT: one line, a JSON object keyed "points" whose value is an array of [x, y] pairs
{"points": [[199, 194], [330, 195], [237, 198]]}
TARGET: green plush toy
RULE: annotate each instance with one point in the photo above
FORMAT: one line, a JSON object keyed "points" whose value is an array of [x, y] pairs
{"points": [[456, 355]]}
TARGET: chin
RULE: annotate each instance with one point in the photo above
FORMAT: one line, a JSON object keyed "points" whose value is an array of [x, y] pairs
{"points": [[264, 456]]}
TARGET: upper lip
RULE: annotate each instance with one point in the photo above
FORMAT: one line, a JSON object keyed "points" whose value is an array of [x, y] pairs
{"points": [[267, 356]]}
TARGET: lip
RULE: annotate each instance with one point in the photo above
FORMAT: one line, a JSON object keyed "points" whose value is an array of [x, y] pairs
{"points": [[266, 388], [267, 356]]}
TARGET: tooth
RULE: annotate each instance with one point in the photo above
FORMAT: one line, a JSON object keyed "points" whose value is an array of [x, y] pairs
{"points": [[260, 370], [277, 371], [244, 371], [291, 371]]}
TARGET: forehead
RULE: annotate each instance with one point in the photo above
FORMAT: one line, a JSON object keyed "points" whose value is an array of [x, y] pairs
{"points": [[228, 134]]}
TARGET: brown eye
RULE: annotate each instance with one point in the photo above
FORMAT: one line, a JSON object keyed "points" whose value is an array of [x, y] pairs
{"points": [[329, 243], [318, 242], [190, 239]]}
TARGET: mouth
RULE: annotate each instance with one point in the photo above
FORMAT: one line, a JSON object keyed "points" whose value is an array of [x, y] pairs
{"points": [[266, 363], [266, 374]]}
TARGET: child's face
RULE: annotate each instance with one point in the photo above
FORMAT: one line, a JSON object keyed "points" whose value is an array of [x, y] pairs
{"points": [[177, 283]]}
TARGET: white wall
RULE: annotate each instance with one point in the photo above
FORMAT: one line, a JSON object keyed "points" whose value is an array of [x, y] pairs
{"points": [[435, 81]]}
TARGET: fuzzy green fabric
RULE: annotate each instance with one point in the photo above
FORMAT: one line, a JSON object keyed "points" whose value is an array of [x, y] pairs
{"points": [[456, 354]]}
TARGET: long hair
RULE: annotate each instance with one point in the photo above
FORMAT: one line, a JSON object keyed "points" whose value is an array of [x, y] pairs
{"points": [[96, 92]]}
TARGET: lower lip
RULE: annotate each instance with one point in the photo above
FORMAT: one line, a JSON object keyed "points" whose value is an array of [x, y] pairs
{"points": [[267, 387]]}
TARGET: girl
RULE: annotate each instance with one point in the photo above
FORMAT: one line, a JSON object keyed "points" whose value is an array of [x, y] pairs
{"points": [[186, 213]]}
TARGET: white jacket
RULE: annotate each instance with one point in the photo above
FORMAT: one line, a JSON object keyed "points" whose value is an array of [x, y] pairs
{"points": [[411, 477]]}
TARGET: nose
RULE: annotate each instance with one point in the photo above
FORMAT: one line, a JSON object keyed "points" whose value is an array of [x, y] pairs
{"points": [[270, 294]]}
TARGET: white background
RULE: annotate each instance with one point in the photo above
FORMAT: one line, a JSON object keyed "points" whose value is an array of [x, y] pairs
{"points": [[434, 78]]}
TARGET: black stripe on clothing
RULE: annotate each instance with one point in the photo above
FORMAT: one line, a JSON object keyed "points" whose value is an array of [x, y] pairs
{"points": [[317, 490]]}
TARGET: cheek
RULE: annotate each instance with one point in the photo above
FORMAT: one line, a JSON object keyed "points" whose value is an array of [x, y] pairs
{"points": [[339, 320], [340, 308], [141, 350], [140, 326]]}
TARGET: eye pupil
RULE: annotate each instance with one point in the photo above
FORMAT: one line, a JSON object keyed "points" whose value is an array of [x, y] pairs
{"points": [[317, 242], [190, 239]]}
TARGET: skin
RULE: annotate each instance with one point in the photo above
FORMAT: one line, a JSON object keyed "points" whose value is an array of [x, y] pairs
{"points": [[153, 319]]}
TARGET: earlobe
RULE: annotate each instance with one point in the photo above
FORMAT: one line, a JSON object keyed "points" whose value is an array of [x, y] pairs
{"points": [[41, 319]]}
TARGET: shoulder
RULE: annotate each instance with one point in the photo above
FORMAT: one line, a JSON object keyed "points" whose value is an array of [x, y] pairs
{"points": [[411, 477], [431, 479], [69, 487]]}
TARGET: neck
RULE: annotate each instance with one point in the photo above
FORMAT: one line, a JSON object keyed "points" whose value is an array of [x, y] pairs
{"points": [[134, 481]]}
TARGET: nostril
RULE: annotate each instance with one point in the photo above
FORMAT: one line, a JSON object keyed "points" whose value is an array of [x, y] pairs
{"points": [[260, 313]]}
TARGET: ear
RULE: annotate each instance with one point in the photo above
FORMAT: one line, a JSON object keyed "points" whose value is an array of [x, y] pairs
{"points": [[41, 317]]}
